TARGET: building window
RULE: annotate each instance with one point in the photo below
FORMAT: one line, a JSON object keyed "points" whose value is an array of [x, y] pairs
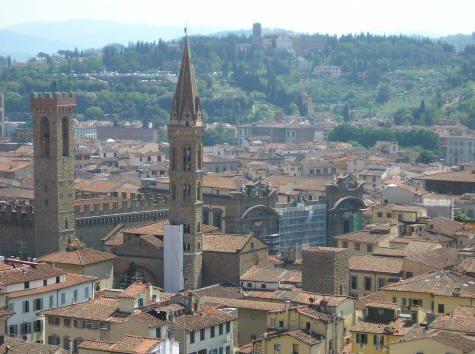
{"points": [[65, 131], [379, 214], [409, 275], [44, 135], [389, 215], [86, 292], [158, 332], [192, 337], [381, 282], [53, 321], [212, 330], [25, 328], [75, 295], [63, 298], [357, 246], [281, 324], [66, 343], [378, 340], [440, 308], [277, 347], [38, 304], [345, 244], [354, 282], [263, 286], [26, 306], [367, 283], [140, 301], [27, 285], [307, 325], [228, 327], [37, 326], [361, 338], [369, 248], [12, 330], [57, 280], [51, 301], [220, 329], [67, 322], [202, 334]]}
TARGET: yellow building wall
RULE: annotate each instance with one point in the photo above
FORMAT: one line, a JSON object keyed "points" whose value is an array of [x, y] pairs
{"points": [[370, 348], [287, 346], [422, 346], [360, 291], [251, 322], [450, 303]]}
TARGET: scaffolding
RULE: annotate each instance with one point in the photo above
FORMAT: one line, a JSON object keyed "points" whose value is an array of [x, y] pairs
{"points": [[302, 224]]}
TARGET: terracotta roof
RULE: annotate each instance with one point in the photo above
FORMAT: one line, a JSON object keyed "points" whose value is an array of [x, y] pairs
{"points": [[206, 317], [100, 186], [326, 249], [219, 290], [69, 280], [244, 304], [245, 349], [468, 265], [369, 263], [306, 337], [133, 290], [232, 183], [362, 236], [440, 283], [5, 311], [299, 183], [314, 314], [101, 309], [464, 344], [381, 304], [16, 346], [272, 275], [456, 322], [77, 254], [28, 273], [157, 228], [389, 252], [459, 176], [401, 325], [149, 319], [228, 243], [439, 258], [4, 266], [362, 302], [127, 345]]}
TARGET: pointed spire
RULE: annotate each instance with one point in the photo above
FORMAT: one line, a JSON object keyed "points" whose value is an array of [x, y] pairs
{"points": [[186, 103]]}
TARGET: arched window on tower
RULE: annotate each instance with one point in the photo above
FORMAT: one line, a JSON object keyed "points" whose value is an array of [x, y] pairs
{"points": [[198, 192], [198, 167], [172, 159], [65, 130], [172, 192], [186, 159], [44, 135]]}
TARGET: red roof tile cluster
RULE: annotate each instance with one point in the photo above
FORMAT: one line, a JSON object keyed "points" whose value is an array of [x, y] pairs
{"points": [[77, 254], [127, 345], [28, 273], [204, 318]]}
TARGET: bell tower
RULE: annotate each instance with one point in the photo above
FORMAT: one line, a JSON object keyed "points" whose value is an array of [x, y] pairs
{"points": [[53, 170], [185, 134]]}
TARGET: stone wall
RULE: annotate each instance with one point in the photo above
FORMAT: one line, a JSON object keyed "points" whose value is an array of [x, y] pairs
{"points": [[325, 270]]}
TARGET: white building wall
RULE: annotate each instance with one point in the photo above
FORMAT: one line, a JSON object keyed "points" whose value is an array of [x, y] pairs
{"points": [[211, 344], [16, 304]]}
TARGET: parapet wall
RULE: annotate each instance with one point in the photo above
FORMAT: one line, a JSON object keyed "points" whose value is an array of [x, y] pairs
{"points": [[52, 102]]}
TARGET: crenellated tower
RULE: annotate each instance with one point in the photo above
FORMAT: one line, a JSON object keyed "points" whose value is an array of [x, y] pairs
{"points": [[53, 170], [185, 134]]}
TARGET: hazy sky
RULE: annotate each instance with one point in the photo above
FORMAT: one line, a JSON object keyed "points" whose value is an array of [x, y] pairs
{"points": [[329, 16]]}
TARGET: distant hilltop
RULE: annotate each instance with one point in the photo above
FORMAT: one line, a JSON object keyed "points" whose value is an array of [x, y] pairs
{"points": [[23, 41]]}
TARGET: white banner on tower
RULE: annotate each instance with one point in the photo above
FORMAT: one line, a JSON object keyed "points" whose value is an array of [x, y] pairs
{"points": [[173, 258]]}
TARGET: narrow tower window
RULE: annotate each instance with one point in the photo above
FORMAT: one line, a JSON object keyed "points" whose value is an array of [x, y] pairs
{"points": [[65, 128], [44, 131], [172, 159]]}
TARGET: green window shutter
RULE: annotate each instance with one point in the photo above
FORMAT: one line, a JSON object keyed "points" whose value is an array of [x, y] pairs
{"points": [[382, 340], [375, 339], [358, 338]]}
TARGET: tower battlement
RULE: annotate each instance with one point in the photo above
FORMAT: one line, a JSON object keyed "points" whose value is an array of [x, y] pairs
{"points": [[52, 102]]}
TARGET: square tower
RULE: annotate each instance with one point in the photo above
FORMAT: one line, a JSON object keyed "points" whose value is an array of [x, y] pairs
{"points": [[53, 170], [325, 270], [185, 134]]}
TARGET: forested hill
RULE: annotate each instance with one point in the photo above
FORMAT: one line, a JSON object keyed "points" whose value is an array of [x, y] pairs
{"points": [[240, 82]]}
